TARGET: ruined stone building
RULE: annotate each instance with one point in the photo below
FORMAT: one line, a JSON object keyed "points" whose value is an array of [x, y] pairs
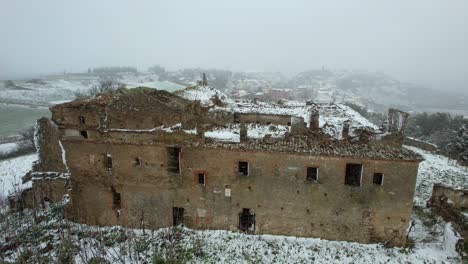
{"points": [[150, 158]]}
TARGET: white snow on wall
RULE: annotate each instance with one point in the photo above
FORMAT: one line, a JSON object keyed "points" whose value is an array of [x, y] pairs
{"points": [[64, 156]]}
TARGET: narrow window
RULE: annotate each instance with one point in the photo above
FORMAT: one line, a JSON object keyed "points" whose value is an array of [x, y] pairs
{"points": [[177, 216], [174, 159], [138, 162], [236, 118], [378, 178], [117, 201], [201, 179], [312, 174], [82, 120], [243, 168], [108, 160], [353, 174], [247, 220], [84, 134]]}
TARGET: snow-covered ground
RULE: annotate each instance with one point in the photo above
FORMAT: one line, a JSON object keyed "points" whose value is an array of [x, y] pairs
{"points": [[11, 172], [54, 238], [8, 148], [437, 169]]}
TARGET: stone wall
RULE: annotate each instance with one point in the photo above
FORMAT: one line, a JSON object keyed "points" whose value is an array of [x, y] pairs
{"points": [[452, 205], [419, 144], [263, 119], [50, 153], [284, 202], [458, 198]]}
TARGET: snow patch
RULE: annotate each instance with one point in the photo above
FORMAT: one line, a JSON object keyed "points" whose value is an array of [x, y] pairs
{"points": [[437, 169], [8, 148]]}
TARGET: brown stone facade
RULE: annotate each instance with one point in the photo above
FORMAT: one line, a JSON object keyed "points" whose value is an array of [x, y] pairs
{"points": [[276, 190]]}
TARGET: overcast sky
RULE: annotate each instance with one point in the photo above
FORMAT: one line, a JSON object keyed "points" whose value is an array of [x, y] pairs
{"points": [[422, 41]]}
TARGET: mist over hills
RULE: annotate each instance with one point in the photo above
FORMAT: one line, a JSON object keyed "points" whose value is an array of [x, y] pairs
{"points": [[373, 90]]}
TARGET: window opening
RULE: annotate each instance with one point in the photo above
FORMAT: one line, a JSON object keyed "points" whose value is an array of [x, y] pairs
{"points": [[312, 174], [177, 216], [378, 178], [138, 162], [353, 174], [116, 199], [174, 159], [201, 178], [247, 220], [84, 134], [108, 160], [243, 168]]}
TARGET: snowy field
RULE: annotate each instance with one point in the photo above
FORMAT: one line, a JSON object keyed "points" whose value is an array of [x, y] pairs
{"points": [[11, 171], [437, 169], [54, 238], [432, 237]]}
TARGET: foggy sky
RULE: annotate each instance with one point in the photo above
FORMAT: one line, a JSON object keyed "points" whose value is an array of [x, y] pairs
{"points": [[421, 41]]}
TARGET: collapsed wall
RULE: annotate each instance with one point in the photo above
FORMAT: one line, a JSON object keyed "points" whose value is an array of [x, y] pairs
{"points": [[49, 177], [452, 205]]}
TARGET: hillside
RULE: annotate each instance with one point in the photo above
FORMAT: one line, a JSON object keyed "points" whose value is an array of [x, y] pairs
{"points": [[378, 91]]}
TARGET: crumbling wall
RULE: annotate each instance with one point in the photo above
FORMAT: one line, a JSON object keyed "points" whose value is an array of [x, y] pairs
{"points": [[397, 120], [46, 190], [85, 116], [264, 119], [452, 205], [420, 144], [458, 198], [47, 143]]}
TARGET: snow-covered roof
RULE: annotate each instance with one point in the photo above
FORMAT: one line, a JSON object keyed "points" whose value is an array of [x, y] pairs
{"points": [[332, 116], [204, 94]]}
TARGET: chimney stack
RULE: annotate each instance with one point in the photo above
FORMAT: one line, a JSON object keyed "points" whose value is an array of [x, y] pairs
{"points": [[314, 121], [345, 132], [243, 133]]}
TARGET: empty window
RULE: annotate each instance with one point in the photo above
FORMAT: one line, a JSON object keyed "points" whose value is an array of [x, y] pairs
{"points": [[84, 134], [378, 178], [201, 178], [177, 216], [312, 174], [138, 162], [82, 120], [243, 168], [236, 118], [174, 159], [116, 199], [247, 220], [108, 160], [353, 174]]}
